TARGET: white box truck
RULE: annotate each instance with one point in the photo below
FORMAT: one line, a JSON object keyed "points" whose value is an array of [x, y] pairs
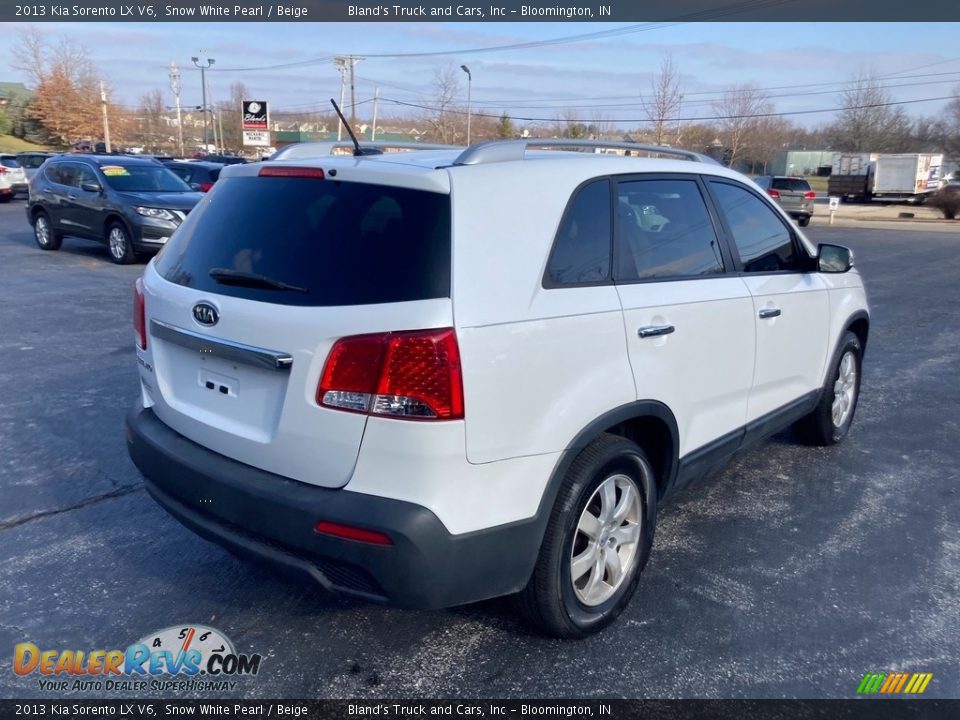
{"points": [[887, 177]]}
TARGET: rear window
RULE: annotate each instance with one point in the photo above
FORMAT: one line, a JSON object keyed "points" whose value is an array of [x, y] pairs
{"points": [[31, 161], [9, 162], [343, 243], [791, 184]]}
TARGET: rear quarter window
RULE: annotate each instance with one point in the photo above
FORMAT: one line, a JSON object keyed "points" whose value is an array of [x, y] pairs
{"points": [[344, 243]]}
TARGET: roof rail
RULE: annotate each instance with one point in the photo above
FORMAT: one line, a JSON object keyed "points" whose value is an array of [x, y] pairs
{"points": [[504, 150], [329, 147]]}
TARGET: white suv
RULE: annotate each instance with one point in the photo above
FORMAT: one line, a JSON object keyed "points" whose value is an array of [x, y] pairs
{"points": [[439, 376]]}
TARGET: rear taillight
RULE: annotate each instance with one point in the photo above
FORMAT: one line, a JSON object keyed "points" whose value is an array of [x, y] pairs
{"points": [[348, 532], [414, 375], [774, 194], [289, 171], [3, 170], [205, 187], [810, 195], [140, 315]]}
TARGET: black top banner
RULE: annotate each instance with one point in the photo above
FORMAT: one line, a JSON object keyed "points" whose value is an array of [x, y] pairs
{"points": [[482, 11]]}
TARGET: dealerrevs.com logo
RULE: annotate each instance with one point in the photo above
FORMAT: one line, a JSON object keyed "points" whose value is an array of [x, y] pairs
{"points": [[183, 657]]}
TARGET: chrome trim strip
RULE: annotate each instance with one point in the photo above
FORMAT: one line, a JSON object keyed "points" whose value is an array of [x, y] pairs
{"points": [[225, 349]]}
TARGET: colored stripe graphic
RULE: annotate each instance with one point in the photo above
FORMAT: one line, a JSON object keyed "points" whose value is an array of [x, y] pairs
{"points": [[894, 683]]}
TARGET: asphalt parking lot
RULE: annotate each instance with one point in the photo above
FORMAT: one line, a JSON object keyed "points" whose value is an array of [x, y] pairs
{"points": [[790, 574]]}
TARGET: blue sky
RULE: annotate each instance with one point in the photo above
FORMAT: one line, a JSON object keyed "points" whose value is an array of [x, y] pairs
{"points": [[601, 76]]}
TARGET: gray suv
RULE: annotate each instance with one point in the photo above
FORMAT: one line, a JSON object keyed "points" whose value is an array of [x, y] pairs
{"points": [[132, 204], [793, 193]]}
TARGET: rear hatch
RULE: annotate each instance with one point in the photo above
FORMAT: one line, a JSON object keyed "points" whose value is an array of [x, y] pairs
{"points": [[14, 172], [794, 193], [245, 302]]}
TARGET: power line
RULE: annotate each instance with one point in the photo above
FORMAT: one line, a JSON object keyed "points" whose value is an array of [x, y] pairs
{"points": [[679, 119]]}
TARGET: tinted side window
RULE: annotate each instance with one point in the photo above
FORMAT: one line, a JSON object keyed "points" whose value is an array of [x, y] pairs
{"points": [[665, 231], [763, 241], [54, 173], [581, 251]]}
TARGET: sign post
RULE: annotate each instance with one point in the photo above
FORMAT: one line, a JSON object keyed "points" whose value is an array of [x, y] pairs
{"points": [[834, 204], [256, 123]]}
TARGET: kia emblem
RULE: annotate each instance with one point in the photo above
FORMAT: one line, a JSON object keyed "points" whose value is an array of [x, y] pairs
{"points": [[205, 314]]}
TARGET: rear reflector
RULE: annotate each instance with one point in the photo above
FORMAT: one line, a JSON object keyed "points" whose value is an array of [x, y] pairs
{"points": [[140, 314], [412, 375], [352, 533], [288, 171]]}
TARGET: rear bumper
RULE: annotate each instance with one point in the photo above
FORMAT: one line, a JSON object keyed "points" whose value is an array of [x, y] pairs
{"points": [[271, 518]]}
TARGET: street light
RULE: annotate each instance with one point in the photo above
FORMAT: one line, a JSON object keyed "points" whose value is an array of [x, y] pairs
{"points": [[203, 83], [469, 88]]}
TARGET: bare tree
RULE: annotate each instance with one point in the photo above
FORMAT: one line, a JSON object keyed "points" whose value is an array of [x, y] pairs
{"points": [[738, 111], [769, 136], [665, 98], [150, 120], [445, 120], [868, 122]]}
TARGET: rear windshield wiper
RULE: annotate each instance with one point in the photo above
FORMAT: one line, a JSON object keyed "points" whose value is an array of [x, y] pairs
{"points": [[226, 276]]}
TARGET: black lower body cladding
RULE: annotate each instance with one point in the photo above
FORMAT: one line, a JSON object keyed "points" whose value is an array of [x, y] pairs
{"points": [[270, 518]]}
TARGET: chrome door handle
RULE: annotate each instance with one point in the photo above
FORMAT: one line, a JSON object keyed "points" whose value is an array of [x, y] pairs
{"points": [[655, 330], [769, 313], [71, 197]]}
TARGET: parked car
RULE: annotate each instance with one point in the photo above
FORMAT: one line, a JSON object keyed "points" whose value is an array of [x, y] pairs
{"points": [[198, 174], [224, 159], [13, 179], [31, 161], [400, 376], [793, 193], [132, 204]]}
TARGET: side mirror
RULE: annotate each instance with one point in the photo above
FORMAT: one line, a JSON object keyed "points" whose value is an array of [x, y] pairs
{"points": [[91, 187], [834, 258]]}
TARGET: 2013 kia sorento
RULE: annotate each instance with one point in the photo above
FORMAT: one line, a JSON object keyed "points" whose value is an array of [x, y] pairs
{"points": [[438, 376]]}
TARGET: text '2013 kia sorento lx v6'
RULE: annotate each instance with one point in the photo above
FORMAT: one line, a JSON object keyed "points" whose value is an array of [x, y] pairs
{"points": [[439, 376]]}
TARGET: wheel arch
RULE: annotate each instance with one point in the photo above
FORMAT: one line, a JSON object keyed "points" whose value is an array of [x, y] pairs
{"points": [[115, 217], [859, 325], [648, 423]]}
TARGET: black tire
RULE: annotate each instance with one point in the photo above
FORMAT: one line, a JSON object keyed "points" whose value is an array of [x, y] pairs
{"points": [[803, 221], [44, 234], [5, 198], [820, 426], [119, 245], [551, 600]]}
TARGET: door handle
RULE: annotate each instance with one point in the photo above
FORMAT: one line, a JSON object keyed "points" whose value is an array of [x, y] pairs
{"points": [[769, 313], [655, 330], [71, 197]]}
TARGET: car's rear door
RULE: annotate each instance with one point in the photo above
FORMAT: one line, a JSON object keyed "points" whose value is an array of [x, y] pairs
{"points": [[688, 320]]}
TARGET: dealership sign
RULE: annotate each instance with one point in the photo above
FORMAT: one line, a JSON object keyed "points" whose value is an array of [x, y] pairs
{"points": [[256, 138], [255, 115]]}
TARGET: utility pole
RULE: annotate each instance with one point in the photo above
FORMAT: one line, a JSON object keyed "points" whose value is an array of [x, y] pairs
{"points": [[469, 90], [679, 115], [341, 63], [203, 86], [376, 101], [175, 87], [106, 119], [220, 124]]}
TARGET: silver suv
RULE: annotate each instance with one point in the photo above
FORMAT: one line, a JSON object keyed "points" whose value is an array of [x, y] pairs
{"points": [[794, 194]]}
